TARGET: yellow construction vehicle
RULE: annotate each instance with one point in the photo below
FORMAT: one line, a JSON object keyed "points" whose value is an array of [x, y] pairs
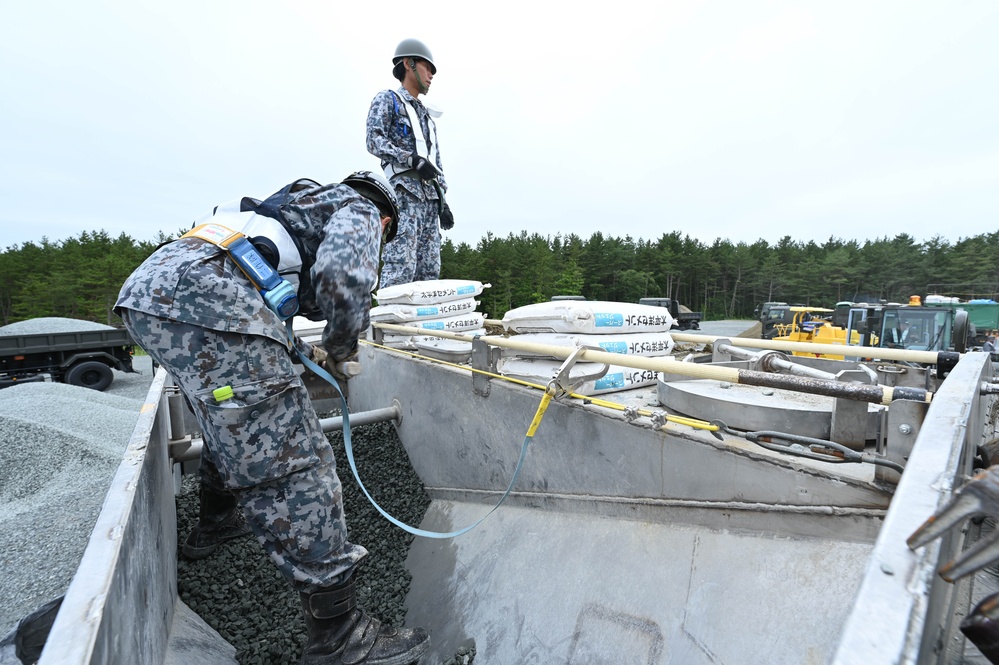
{"points": [[808, 324]]}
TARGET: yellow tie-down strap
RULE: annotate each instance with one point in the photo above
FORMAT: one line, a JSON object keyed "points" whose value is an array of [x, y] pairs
{"points": [[214, 233]]}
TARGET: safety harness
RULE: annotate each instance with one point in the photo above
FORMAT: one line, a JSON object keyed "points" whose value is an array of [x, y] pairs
{"points": [[427, 148], [280, 297], [277, 292]]}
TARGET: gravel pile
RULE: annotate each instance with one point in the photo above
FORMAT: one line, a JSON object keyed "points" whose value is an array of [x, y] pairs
{"points": [[50, 324], [60, 446]]}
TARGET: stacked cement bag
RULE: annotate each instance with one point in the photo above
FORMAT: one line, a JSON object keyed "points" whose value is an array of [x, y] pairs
{"points": [[614, 327], [447, 305]]}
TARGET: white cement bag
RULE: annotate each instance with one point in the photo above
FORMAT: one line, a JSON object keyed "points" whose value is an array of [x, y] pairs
{"points": [[308, 330], [541, 371], [398, 341], [403, 313], [588, 316], [452, 350], [429, 292], [635, 344], [455, 324]]}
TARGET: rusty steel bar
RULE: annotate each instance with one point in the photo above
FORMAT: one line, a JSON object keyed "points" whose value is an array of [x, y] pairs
{"points": [[860, 392]]}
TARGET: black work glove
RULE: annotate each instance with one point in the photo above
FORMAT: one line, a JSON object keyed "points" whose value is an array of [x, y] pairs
{"points": [[425, 168], [447, 219]]}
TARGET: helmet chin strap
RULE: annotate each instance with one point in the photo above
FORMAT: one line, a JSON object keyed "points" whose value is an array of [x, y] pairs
{"points": [[424, 88]]}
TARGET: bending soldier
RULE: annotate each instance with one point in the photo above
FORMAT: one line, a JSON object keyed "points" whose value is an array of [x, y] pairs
{"points": [[198, 315]]}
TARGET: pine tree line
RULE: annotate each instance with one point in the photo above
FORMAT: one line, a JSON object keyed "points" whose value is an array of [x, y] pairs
{"points": [[77, 278], [80, 277], [723, 279]]}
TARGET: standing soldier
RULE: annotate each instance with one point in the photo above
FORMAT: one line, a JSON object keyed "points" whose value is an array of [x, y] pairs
{"points": [[402, 134], [223, 340]]}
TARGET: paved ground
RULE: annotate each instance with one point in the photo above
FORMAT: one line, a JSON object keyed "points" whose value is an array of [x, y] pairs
{"points": [[729, 328]]}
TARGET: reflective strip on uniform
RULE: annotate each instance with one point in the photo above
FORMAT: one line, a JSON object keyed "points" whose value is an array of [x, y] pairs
{"points": [[422, 149], [214, 233], [252, 225]]}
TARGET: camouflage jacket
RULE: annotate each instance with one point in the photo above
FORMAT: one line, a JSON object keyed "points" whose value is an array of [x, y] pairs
{"points": [[193, 281], [390, 136]]}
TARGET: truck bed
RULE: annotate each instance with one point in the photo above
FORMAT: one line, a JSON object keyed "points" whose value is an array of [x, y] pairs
{"points": [[15, 345]]}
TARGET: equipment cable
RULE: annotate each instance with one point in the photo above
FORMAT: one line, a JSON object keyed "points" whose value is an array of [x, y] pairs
{"points": [[348, 446]]}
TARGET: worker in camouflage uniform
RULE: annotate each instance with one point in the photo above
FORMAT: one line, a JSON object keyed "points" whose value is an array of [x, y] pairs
{"points": [[402, 134], [193, 310]]}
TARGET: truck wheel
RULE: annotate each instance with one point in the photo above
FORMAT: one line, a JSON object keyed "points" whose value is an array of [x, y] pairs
{"points": [[962, 329], [90, 374]]}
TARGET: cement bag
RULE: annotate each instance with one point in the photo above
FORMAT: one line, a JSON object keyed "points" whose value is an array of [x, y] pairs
{"points": [[588, 316], [429, 292], [455, 324], [541, 371], [404, 313], [304, 327], [451, 350], [398, 341], [635, 344]]}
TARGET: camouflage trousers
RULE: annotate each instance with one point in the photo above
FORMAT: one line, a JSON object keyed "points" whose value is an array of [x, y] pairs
{"points": [[265, 441], [415, 253]]}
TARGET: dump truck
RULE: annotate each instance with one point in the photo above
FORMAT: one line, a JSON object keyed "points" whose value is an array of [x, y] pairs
{"points": [[81, 358], [683, 318], [762, 311]]}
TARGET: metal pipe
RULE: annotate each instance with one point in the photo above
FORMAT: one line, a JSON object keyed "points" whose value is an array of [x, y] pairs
{"points": [[773, 361], [393, 412], [907, 355], [856, 391], [175, 405], [864, 393]]}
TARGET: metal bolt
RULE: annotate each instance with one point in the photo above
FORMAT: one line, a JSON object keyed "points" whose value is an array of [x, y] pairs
{"points": [[905, 429], [886, 569], [768, 392]]}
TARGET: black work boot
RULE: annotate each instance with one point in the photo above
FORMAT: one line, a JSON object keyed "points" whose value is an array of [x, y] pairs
{"points": [[342, 634], [220, 519]]}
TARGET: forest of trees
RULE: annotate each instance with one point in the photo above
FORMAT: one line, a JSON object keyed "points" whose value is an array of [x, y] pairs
{"points": [[77, 278], [723, 280], [80, 277]]}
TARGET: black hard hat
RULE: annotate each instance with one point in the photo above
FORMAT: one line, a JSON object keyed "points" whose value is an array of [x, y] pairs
{"points": [[413, 48], [376, 188]]}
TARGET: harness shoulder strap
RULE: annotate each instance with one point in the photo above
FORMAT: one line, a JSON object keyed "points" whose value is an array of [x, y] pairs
{"points": [[271, 207], [427, 148], [216, 234]]}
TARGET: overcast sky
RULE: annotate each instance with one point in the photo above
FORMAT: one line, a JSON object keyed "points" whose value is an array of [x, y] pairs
{"points": [[733, 119]]}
